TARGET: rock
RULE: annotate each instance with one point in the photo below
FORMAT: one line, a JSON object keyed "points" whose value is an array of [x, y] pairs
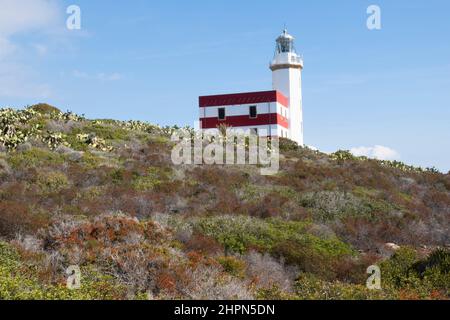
{"points": [[387, 250], [392, 246]]}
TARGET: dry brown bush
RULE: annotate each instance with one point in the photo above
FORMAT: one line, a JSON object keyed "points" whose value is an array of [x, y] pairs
{"points": [[17, 218], [210, 283], [203, 244], [266, 272]]}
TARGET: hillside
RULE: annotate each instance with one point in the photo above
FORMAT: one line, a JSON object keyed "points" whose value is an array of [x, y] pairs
{"points": [[104, 195]]}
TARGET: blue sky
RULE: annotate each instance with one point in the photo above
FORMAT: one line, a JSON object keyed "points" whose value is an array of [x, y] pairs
{"points": [[150, 60]]}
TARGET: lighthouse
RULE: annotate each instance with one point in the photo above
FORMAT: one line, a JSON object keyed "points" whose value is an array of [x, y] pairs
{"points": [[275, 113], [286, 69]]}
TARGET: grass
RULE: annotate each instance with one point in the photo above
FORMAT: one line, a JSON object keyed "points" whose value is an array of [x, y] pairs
{"points": [[33, 158]]}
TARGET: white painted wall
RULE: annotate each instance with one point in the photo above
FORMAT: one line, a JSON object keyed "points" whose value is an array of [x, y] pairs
{"points": [[244, 109], [287, 78], [265, 130]]}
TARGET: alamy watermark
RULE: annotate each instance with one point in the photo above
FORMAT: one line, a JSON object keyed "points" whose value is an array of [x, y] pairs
{"points": [[373, 22], [73, 22], [374, 19], [227, 147], [374, 280], [74, 277]]}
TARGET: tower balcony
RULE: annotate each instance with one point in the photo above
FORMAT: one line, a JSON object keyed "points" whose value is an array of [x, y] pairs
{"points": [[286, 60]]}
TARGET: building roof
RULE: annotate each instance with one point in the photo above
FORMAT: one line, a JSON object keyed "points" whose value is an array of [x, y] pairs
{"points": [[243, 98]]}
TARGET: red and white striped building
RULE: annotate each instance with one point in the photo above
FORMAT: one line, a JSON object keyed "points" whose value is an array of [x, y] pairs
{"points": [[263, 112], [276, 113]]}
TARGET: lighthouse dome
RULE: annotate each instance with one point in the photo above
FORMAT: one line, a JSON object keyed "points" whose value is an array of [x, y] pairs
{"points": [[285, 42]]}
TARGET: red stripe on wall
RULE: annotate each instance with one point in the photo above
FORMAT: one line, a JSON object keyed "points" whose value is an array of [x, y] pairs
{"points": [[282, 121], [245, 121], [243, 98], [282, 99]]}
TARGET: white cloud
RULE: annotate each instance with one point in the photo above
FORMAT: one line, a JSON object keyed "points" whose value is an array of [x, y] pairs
{"points": [[24, 15], [313, 148], [41, 49], [80, 74], [109, 77], [376, 152], [19, 17], [99, 76]]}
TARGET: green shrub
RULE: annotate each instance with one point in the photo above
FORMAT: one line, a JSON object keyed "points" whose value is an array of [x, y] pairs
{"points": [[274, 293], [342, 155], [74, 141], [106, 132], [146, 183], [288, 145], [34, 158], [435, 269], [51, 182], [253, 193], [309, 287], [118, 176], [330, 205], [44, 108], [233, 266], [423, 277], [9, 258], [345, 155], [90, 161], [288, 239], [154, 178], [396, 271]]}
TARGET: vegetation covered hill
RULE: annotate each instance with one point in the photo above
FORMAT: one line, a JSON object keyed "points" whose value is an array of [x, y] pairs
{"points": [[104, 195]]}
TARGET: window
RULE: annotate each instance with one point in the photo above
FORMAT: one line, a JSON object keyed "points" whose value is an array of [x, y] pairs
{"points": [[221, 114], [254, 131], [253, 112]]}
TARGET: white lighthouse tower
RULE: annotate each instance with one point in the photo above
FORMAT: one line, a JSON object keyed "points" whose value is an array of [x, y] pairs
{"points": [[286, 69]]}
